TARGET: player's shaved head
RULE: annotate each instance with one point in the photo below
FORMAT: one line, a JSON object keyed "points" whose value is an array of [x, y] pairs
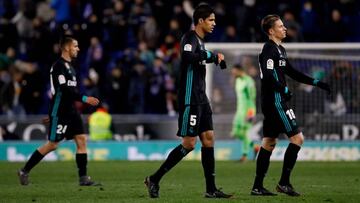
{"points": [[65, 40], [268, 22]]}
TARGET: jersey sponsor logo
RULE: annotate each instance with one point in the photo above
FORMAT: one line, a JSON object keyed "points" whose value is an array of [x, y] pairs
{"points": [[62, 79], [187, 47], [71, 83], [282, 62], [270, 64]]}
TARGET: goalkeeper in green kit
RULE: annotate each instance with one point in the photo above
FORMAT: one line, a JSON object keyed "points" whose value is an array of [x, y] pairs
{"points": [[245, 108]]}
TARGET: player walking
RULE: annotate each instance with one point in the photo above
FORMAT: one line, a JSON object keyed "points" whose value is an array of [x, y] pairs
{"points": [[195, 115], [65, 121], [278, 117]]}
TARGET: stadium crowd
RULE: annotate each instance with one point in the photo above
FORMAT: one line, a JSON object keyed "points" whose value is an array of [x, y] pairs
{"points": [[129, 54]]}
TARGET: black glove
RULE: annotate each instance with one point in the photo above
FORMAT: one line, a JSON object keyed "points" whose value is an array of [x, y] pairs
{"points": [[223, 64], [324, 86], [287, 94], [210, 57]]}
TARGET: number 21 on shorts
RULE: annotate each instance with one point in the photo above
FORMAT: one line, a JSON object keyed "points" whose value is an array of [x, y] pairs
{"points": [[61, 129]]}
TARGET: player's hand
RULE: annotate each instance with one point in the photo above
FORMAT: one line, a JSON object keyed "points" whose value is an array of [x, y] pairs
{"points": [[287, 94], [324, 86], [250, 115], [220, 57], [223, 64], [92, 101]]}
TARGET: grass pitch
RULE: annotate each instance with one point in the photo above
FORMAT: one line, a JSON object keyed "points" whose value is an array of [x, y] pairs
{"points": [[123, 182]]}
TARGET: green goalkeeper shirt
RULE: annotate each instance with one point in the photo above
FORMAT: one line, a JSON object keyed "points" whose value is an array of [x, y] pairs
{"points": [[245, 96]]}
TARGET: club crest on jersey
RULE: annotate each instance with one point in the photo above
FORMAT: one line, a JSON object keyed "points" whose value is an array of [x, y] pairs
{"points": [[282, 62], [187, 47], [270, 64], [67, 65]]}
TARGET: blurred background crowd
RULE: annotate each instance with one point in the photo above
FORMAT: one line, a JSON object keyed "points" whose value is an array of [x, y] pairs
{"points": [[129, 49]]}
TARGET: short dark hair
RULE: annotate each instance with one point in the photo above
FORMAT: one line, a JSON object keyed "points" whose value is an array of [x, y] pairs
{"points": [[238, 67], [64, 40], [202, 11], [268, 22]]}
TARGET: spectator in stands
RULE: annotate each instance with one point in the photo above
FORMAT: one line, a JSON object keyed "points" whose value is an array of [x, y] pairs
{"points": [[62, 11], [160, 85], [118, 90], [33, 27], [145, 54], [149, 32], [137, 88], [309, 19], [32, 87], [230, 35], [117, 26], [293, 28], [336, 27], [10, 94]]}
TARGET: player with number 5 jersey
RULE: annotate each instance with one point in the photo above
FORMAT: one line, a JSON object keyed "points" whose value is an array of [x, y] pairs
{"points": [[195, 115]]}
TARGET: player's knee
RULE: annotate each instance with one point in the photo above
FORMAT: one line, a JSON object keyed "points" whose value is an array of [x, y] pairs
{"points": [[189, 144], [81, 138], [297, 139], [269, 144], [51, 146], [269, 147]]}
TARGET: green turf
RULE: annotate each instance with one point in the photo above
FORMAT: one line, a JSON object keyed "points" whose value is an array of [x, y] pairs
{"points": [[123, 182]]}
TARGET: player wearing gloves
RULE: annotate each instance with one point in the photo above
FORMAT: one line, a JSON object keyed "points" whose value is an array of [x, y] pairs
{"points": [[278, 117], [195, 114], [245, 108]]}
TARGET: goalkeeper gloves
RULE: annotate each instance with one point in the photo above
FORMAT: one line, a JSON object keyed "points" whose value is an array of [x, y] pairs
{"points": [[324, 86], [250, 115]]}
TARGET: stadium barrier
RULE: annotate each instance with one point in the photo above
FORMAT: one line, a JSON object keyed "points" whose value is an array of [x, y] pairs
{"points": [[159, 150], [162, 127]]}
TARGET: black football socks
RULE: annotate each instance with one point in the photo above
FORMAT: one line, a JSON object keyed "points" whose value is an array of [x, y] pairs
{"points": [[208, 163], [262, 166], [174, 157], [289, 163], [81, 162], [34, 159]]}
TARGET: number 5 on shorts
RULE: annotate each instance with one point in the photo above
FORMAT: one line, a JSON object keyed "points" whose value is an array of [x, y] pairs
{"points": [[192, 120]]}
